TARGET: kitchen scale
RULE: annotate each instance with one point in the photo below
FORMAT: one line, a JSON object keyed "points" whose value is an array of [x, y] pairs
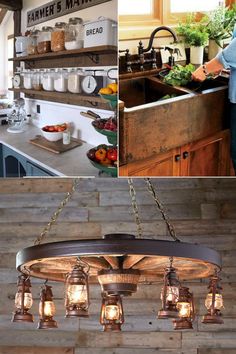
{"points": [[16, 119]]}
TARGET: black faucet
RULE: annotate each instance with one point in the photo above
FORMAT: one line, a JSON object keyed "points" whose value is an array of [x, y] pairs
{"points": [[141, 50]]}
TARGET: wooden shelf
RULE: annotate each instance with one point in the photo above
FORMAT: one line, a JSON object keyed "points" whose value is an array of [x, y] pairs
{"points": [[93, 56], [65, 97]]}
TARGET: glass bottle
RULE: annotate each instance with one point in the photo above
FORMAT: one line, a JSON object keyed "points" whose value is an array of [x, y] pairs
{"points": [[37, 80], [48, 80], [58, 37], [74, 34], [61, 80], [27, 79], [32, 43], [44, 40], [75, 77]]}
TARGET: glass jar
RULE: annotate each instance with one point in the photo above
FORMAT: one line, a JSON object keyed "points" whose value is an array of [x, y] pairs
{"points": [[37, 80], [74, 34], [32, 43], [58, 37], [61, 80], [44, 40], [48, 80], [27, 79], [75, 77]]}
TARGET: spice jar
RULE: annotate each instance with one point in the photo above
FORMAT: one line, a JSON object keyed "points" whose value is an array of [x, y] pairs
{"points": [[74, 80], [74, 34], [48, 80], [44, 40], [37, 80], [32, 43], [61, 80], [27, 79], [58, 37]]}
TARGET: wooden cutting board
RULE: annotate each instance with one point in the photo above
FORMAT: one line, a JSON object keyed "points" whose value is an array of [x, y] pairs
{"points": [[57, 147]]}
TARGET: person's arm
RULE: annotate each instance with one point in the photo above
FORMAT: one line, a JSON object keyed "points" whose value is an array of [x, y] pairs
{"points": [[212, 67], [224, 60]]}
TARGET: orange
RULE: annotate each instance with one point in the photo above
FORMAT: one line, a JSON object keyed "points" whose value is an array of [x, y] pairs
{"points": [[113, 87]]}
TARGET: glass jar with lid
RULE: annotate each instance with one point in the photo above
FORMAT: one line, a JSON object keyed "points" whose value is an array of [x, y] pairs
{"points": [[61, 80], [74, 34], [37, 80], [32, 43], [58, 37], [48, 80], [27, 79], [44, 40], [75, 77]]}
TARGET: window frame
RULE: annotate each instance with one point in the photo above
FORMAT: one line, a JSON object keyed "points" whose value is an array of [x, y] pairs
{"points": [[140, 27]]}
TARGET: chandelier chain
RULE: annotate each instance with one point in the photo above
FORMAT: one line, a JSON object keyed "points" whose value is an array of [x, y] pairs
{"points": [[160, 207], [55, 215], [135, 207]]}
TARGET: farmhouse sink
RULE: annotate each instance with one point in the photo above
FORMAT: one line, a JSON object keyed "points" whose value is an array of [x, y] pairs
{"points": [[140, 91], [195, 112]]}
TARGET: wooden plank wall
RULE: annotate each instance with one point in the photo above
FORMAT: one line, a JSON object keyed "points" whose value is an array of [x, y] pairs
{"points": [[202, 210]]}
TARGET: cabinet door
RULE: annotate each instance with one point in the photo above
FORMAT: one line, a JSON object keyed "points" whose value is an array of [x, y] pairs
{"points": [[14, 165], [166, 164], [207, 157], [35, 170]]}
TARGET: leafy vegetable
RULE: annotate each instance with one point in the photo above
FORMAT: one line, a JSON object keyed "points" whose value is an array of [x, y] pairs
{"points": [[166, 97], [180, 75]]}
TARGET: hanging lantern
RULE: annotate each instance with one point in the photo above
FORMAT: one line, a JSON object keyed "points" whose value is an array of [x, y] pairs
{"points": [[23, 300], [77, 293], [185, 306], [214, 302], [112, 314], [46, 309], [169, 294]]}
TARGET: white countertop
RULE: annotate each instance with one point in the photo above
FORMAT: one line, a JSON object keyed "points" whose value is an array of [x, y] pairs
{"points": [[70, 163]]}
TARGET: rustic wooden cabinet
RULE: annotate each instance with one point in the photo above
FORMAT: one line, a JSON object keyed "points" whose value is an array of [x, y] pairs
{"points": [[206, 157]]}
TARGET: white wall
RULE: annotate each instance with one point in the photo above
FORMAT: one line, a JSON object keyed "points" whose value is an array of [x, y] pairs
{"points": [[6, 29]]}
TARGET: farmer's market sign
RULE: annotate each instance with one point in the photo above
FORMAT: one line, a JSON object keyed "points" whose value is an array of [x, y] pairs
{"points": [[54, 9]]}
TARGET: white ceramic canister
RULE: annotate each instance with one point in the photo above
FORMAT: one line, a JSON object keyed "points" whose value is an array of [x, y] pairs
{"points": [[21, 46]]}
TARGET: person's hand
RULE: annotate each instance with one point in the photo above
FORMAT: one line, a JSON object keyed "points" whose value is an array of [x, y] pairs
{"points": [[199, 75]]}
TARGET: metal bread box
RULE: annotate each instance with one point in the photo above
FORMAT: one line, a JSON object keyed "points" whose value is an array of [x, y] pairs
{"points": [[102, 31]]}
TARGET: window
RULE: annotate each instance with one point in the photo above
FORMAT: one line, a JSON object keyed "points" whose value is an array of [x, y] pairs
{"points": [[182, 6], [137, 18], [144, 7]]}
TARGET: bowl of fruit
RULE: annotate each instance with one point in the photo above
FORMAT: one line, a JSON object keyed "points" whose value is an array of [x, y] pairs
{"points": [[107, 127], [104, 157], [109, 93], [54, 132]]}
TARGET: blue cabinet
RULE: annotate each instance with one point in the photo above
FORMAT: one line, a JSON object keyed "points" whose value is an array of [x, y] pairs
{"points": [[13, 164]]}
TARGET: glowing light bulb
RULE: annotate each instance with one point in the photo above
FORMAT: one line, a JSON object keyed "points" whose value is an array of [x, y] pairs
{"points": [[218, 301], [112, 312], [184, 309], [77, 294], [28, 300], [47, 308]]}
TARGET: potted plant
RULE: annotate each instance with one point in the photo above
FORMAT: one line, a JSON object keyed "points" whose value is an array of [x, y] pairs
{"points": [[220, 24], [195, 36]]}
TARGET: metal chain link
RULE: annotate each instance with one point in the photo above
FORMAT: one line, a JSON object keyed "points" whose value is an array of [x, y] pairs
{"points": [[132, 193], [160, 207], [55, 215]]}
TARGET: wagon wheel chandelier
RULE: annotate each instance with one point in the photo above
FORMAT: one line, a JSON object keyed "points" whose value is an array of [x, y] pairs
{"points": [[119, 262]]}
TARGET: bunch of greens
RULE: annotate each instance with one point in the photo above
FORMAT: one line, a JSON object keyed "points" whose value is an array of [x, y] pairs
{"points": [[220, 23], [180, 75], [194, 33]]}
